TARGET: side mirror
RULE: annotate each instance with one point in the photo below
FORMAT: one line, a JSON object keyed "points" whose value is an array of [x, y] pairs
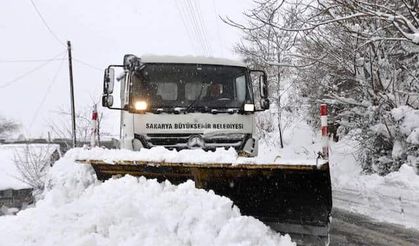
{"points": [[262, 80], [263, 85], [107, 101], [108, 81], [264, 103]]}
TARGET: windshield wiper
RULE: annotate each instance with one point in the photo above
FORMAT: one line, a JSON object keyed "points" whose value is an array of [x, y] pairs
{"points": [[196, 99]]}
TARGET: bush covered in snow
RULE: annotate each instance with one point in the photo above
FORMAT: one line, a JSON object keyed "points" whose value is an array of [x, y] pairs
{"points": [[387, 137], [406, 144]]}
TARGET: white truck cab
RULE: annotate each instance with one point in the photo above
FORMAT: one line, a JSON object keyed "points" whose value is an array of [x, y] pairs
{"points": [[187, 102]]}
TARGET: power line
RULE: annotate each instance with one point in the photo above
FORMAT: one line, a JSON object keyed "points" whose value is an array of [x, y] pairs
{"points": [[194, 27], [191, 29], [189, 14], [193, 14], [57, 38], [11, 82], [46, 24], [196, 21], [29, 60], [54, 79], [188, 32], [197, 10], [220, 37], [87, 64]]}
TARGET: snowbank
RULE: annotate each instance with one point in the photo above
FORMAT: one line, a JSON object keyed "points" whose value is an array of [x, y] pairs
{"points": [[409, 118], [393, 198], [407, 136], [300, 141], [78, 210], [267, 155]]}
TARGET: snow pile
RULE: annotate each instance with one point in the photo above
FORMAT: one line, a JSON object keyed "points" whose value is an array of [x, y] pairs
{"points": [[392, 141], [407, 144], [391, 198], [156, 154], [300, 142], [267, 155], [409, 119], [79, 210]]}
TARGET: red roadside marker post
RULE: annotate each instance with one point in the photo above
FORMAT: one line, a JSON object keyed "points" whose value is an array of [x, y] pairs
{"points": [[324, 129]]}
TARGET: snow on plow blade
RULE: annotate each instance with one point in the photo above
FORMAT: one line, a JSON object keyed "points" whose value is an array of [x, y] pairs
{"points": [[295, 199]]}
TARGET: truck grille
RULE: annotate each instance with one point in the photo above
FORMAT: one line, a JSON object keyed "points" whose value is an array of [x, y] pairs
{"points": [[180, 140]]}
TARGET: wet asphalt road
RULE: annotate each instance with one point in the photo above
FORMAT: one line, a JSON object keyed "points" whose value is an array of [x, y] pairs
{"points": [[353, 229]]}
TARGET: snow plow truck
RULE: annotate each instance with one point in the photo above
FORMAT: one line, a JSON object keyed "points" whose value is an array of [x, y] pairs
{"points": [[209, 103]]}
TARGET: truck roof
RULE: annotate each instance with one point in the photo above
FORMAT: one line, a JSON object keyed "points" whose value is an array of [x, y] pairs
{"points": [[191, 60]]}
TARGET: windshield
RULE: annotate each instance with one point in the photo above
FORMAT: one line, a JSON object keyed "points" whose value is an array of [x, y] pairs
{"points": [[191, 86]]}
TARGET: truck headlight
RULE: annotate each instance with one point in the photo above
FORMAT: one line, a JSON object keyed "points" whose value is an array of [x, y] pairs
{"points": [[249, 107], [140, 105]]}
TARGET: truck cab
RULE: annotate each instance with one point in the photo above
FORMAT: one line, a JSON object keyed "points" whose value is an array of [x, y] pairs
{"points": [[187, 102]]}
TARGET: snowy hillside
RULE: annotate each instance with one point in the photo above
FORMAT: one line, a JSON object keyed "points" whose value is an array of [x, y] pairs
{"points": [[78, 210]]}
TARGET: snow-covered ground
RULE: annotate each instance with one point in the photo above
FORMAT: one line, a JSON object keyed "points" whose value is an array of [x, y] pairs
{"points": [[393, 198], [78, 210]]}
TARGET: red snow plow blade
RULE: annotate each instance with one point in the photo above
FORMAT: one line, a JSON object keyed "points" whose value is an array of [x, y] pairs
{"points": [[294, 199]]}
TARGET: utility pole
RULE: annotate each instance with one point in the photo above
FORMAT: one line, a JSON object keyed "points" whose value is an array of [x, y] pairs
{"points": [[279, 98], [73, 113]]}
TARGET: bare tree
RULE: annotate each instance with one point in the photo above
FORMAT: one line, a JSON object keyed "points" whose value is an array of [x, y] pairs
{"points": [[32, 163], [265, 47], [313, 14]]}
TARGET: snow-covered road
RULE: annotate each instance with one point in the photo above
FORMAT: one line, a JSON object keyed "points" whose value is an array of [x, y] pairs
{"points": [[391, 205], [393, 198], [354, 229]]}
